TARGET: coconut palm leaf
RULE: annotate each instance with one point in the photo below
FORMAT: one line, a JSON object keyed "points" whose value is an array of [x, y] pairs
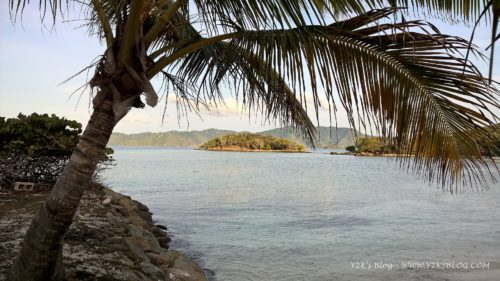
{"points": [[454, 10], [400, 78], [408, 86]]}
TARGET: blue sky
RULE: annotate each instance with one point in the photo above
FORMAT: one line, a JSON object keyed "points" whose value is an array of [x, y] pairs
{"points": [[35, 60]]}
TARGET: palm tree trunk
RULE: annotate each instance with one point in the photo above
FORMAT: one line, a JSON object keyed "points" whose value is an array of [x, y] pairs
{"points": [[41, 254]]}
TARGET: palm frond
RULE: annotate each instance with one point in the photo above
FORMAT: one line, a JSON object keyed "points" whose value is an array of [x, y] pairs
{"points": [[408, 86], [404, 80], [452, 10]]}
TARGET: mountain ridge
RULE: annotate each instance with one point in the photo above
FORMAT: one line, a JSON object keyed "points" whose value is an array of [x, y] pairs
{"points": [[328, 137]]}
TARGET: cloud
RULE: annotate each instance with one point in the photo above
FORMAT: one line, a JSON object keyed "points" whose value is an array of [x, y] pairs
{"points": [[230, 106]]}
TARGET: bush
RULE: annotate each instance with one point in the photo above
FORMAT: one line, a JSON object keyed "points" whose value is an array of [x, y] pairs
{"points": [[375, 145], [36, 148], [252, 142], [351, 148]]}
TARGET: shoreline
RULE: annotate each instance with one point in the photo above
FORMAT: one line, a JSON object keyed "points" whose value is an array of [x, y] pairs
{"points": [[367, 154], [231, 149], [112, 237]]}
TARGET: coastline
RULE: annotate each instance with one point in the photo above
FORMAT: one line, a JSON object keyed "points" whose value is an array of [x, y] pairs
{"points": [[368, 154], [113, 237], [241, 149]]}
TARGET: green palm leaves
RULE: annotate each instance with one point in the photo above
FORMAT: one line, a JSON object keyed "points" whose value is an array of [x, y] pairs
{"points": [[402, 80], [406, 86]]}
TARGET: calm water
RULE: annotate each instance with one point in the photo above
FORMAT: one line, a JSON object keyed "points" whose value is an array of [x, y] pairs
{"points": [[278, 216]]}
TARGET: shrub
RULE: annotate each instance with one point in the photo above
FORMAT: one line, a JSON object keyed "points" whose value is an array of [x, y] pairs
{"points": [[351, 148], [35, 148]]}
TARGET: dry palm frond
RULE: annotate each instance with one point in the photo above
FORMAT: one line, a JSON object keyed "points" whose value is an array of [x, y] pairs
{"points": [[404, 79], [409, 86]]}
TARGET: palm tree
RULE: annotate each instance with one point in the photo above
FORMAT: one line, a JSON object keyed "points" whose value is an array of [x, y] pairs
{"points": [[402, 78]]}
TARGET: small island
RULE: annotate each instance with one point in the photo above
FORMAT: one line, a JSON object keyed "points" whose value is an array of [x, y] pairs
{"points": [[248, 142], [371, 146]]}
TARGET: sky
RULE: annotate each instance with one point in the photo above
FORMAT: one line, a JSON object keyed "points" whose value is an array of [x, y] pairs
{"points": [[36, 59]]}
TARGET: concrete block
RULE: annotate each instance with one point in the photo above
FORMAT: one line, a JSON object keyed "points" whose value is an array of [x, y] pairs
{"points": [[23, 186]]}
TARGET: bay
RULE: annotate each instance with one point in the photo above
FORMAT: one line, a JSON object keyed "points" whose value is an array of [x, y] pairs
{"points": [[287, 216]]}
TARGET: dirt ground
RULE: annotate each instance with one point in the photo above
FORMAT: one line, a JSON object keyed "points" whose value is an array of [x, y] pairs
{"points": [[113, 239]]}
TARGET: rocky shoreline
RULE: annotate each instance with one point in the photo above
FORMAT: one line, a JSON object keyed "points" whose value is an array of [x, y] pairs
{"points": [[112, 238]]}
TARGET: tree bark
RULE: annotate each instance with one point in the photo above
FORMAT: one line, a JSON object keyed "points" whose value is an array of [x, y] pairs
{"points": [[41, 253]]}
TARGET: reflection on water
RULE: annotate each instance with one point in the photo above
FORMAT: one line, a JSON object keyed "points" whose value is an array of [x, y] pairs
{"points": [[274, 216]]}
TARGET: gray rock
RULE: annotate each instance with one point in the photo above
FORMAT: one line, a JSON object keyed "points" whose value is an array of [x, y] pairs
{"points": [[182, 268], [145, 239], [136, 251], [106, 201], [152, 271], [138, 221], [174, 274], [162, 227]]}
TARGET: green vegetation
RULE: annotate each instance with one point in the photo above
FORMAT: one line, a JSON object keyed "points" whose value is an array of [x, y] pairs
{"points": [[38, 135], [489, 146], [252, 142], [412, 81], [351, 148], [372, 145], [375, 145], [35, 148]]}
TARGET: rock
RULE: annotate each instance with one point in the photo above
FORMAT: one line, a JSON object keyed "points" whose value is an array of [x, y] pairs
{"points": [[145, 216], [162, 227], [136, 251], [160, 260], [189, 269], [145, 246], [116, 207], [134, 230], [171, 256], [140, 275], [152, 241], [157, 231], [145, 239], [129, 275], [119, 230], [114, 241], [174, 274], [163, 241], [138, 221], [106, 201], [152, 271], [127, 204], [161, 236], [141, 206]]}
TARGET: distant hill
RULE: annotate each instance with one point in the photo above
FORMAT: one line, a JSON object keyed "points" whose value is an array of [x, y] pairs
{"points": [[327, 137], [171, 138], [340, 137], [252, 142]]}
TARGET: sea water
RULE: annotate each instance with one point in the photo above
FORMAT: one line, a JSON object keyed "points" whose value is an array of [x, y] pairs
{"points": [[309, 216]]}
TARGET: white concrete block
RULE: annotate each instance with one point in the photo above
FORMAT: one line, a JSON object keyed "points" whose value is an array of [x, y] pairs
{"points": [[23, 186]]}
